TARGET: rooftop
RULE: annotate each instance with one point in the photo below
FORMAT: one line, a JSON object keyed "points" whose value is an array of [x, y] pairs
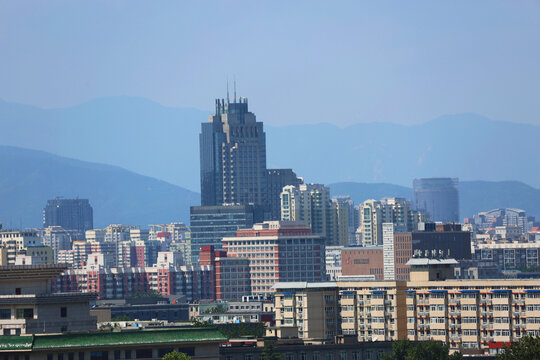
{"points": [[109, 339], [304, 285], [30, 272], [425, 261]]}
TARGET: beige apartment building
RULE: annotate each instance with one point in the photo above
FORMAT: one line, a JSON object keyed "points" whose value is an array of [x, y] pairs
{"points": [[475, 316]]}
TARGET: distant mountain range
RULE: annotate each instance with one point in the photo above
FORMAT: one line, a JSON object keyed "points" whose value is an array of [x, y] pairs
{"points": [[28, 178], [474, 196], [162, 142]]}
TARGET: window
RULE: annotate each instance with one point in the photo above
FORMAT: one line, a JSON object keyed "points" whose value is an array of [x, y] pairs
{"points": [[143, 353], [5, 313], [99, 355], [25, 313], [63, 311]]}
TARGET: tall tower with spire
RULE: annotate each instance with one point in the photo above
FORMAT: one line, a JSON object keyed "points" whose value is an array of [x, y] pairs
{"points": [[233, 155]]}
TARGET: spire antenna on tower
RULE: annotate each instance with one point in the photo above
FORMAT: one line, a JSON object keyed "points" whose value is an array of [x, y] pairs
{"points": [[227, 89], [235, 89]]}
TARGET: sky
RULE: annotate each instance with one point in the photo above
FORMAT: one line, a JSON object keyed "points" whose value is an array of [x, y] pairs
{"points": [[298, 62]]}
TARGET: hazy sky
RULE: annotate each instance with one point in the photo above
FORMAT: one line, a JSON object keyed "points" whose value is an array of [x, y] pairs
{"points": [[297, 61]]}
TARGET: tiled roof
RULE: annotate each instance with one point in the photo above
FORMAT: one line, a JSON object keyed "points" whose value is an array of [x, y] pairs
{"points": [[16, 342], [108, 339]]}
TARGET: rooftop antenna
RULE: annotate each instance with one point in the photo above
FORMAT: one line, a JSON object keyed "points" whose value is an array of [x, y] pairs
{"points": [[235, 89], [227, 89]]}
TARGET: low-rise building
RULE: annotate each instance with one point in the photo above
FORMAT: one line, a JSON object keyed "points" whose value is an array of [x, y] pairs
{"points": [[28, 306], [16, 241], [197, 343], [511, 255]]}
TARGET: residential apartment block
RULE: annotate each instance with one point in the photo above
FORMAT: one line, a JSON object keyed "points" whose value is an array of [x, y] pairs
{"points": [[469, 315], [310, 204], [189, 282]]}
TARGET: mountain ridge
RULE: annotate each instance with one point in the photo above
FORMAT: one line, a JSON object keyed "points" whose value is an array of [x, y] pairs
{"points": [[147, 138], [31, 177]]}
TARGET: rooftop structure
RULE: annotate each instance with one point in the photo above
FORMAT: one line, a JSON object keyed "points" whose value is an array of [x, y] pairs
{"points": [[28, 306], [198, 343]]}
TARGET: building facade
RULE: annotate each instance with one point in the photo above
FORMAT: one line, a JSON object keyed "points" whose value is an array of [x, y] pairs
{"points": [[70, 214], [188, 282], [232, 276], [210, 224], [16, 242], [476, 316], [277, 179], [278, 251], [345, 220], [374, 213], [438, 197], [310, 204], [28, 306], [233, 156]]}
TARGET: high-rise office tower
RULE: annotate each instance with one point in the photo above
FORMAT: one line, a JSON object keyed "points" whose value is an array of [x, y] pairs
{"points": [[233, 156], [70, 214], [438, 197]]}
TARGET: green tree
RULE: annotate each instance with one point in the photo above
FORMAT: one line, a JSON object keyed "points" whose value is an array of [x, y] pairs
{"points": [[216, 309], [175, 355], [199, 323], [527, 347], [424, 350], [121, 318]]}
